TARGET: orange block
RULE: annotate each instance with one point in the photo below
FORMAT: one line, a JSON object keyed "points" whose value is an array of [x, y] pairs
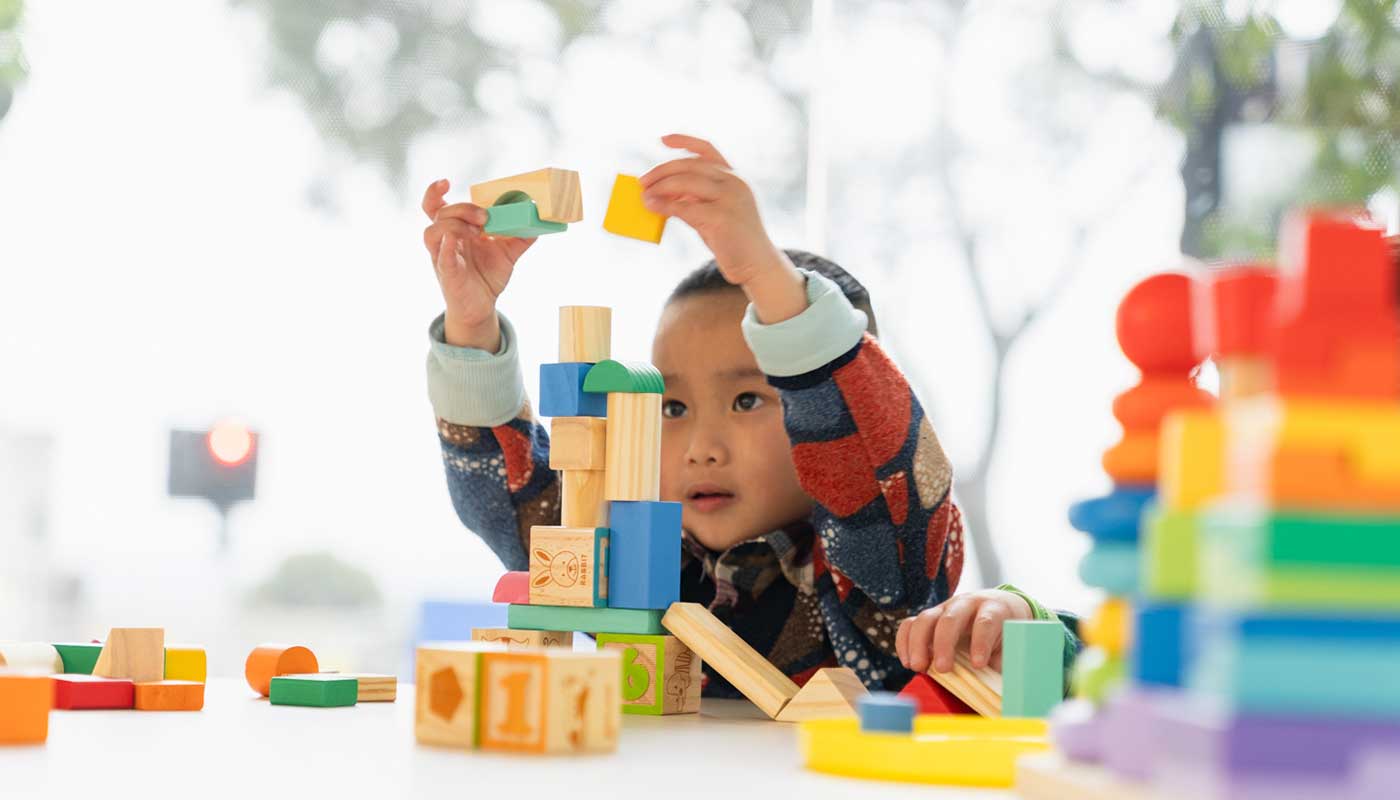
{"points": [[1134, 459], [1338, 356], [1143, 406], [1324, 478], [25, 701], [170, 696], [267, 661]]}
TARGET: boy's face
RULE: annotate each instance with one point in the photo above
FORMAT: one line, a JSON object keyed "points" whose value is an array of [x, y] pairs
{"points": [[724, 452]]}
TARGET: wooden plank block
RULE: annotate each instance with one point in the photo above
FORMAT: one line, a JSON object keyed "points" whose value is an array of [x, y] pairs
{"points": [[185, 662], [978, 688], [634, 447], [583, 501], [555, 191], [832, 692], [374, 688], [74, 692], [730, 656], [585, 334], [1033, 666], [169, 696], [644, 554], [267, 661], [628, 216], [513, 587], [568, 566], [587, 620], [36, 658], [135, 653], [320, 690], [26, 700], [578, 443], [447, 677], [524, 639], [660, 675], [78, 657], [550, 701]]}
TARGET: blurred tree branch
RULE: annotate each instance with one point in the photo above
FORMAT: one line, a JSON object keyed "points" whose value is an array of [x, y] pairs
{"points": [[13, 67]]}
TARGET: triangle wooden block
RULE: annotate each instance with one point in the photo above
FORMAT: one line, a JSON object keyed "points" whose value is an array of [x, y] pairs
{"points": [[137, 654], [832, 692], [933, 698]]}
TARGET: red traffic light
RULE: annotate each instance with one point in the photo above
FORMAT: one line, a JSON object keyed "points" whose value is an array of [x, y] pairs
{"points": [[230, 443]]}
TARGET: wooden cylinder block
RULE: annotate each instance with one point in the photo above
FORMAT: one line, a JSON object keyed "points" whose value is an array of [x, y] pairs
{"points": [[583, 502], [634, 447], [32, 657], [578, 443], [267, 661], [585, 334]]}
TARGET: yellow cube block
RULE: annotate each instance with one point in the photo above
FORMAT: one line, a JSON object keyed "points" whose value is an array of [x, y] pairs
{"points": [[628, 216], [1191, 467], [1109, 628], [186, 663]]}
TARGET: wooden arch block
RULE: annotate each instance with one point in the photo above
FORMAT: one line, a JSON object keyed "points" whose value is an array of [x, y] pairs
{"points": [[555, 192], [267, 661]]}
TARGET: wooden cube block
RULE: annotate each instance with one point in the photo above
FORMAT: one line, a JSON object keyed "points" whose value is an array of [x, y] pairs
{"points": [[578, 443], [448, 693], [555, 192], [26, 700], [79, 658], [628, 216], [35, 658], [86, 691], [516, 639], [550, 701], [374, 688], [644, 555], [562, 394], [169, 696], [569, 566], [186, 663], [267, 661], [585, 334], [321, 690], [135, 653], [660, 675], [633, 446], [583, 501]]}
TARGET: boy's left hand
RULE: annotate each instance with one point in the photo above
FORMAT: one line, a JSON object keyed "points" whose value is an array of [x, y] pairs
{"points": [[932, 637]]}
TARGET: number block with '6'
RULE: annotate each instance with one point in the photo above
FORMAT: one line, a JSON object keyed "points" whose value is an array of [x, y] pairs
{"points": [[660, 675], [550, 701]]}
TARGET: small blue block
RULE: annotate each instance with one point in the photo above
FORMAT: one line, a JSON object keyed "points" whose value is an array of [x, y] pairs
{"points": [[562, 394], [1160, 635], [644, 556], [888, 712], [1113, 517]]}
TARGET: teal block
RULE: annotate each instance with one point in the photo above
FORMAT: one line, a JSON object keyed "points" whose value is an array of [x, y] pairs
{"points": [[1032, 667], [521, 220], [587, 620], [78, 659], [1333, 678], [1111, 566], [317, 691]]}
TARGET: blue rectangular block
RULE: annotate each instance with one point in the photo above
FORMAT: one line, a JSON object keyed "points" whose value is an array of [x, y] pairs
{"points": [[887, 712], [562, 394], [644, 556], [1162, 635]]}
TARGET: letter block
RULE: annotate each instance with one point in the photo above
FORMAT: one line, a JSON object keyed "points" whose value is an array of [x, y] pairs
{"points": [[448, 695], [569, 566], [660, 675], [550, 701], [645, 554], [562, 394], [516, 639]]}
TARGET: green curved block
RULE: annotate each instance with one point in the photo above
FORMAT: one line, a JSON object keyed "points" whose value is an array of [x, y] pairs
{"points": [[610, 376], [519, 219]]}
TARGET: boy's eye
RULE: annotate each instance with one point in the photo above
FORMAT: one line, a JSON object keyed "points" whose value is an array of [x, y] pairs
{"points": [[748, 401], [673, 409]]}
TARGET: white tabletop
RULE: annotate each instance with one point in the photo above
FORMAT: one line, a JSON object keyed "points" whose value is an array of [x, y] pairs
{"points": [[241, 746]]}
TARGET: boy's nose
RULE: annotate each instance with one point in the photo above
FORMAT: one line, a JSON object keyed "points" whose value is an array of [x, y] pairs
{"points": [[706, 450]]}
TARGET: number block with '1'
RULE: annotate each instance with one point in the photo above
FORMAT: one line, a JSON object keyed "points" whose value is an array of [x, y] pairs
{"points": [[550, 701]]}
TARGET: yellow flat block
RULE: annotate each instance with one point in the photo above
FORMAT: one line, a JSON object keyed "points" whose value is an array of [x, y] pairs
{"points": [[186, 663], [948, 749], [1191, 465], [1108, 628], [628, 216]]}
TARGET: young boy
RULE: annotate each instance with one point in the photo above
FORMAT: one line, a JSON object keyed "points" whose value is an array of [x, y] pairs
{"points": [[815, 496]]}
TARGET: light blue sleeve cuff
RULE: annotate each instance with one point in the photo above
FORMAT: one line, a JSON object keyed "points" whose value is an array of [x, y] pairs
{"points": [[473, 387], [828, 328]]}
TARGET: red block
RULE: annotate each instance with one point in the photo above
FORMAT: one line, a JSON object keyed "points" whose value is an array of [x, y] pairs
{"points": [[513, 587], [1234, 312], [933, 698], [87, 691]]}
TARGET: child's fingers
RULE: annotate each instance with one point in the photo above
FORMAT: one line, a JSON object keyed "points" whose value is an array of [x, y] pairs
{"points": [[680, 166], [432, 198], [466, 212], [686, 186], [447, 254], [952, 626], [986, 631], [432, 235], [901, 641], [921, 638], [699, 147]]}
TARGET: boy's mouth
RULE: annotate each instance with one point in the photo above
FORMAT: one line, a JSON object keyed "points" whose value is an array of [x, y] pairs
{"points": [[708, 497]]}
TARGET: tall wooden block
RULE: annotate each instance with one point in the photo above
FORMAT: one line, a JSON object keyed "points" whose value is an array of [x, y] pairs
{"points": [[644, 554], [628, 216], [267, 661], [555, 191], [562, 394], [79, 658], [585, 333], [519, 639], [25, 701], [634, 446], [135, 653], [660, 675], [186, 663], [583, 501], [550, 701], [169, 696], [448, 692], [32, 657], [731, 656], [568, 566], [578, 443], [85, 691], [1032, 667]]}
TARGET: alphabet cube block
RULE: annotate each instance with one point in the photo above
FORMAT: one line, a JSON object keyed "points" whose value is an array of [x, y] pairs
{"points": [[519, 639], [1032, 667], [448, 693], [628, 216], [660, 675], [568, 566], [578, 443], [645, 554], [550, 701], [562, 394]]}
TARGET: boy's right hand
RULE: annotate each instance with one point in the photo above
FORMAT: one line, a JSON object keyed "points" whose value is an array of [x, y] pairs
{"points": [[472, 268]]}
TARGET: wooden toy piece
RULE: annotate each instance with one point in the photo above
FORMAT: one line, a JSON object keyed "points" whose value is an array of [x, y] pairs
{"points": [[628, 216], [135, 653], [887, 712], [644, 554], [979, 688], [1032, 665], [624, 377], [932, 698], [321, 690], [959, 750], [448, 693], [587, 620], [562, 394], [1191, 469], [731, 656], [568, 566], [1170, 561], [634, 447], [1234, 319], [831, 692], [78, 658], [660, 675], [524, 639], [550, 701], [513, 587], [34, 658], [1154, 325], [582, 499], [374, 688], [578, 443], [585, 334], [1107, 628], [267, 661], [555, 192], [169, 696], [72, 692], [1051, 776], [520, 219], [1134, 458], [25, 700], [186, 663]]}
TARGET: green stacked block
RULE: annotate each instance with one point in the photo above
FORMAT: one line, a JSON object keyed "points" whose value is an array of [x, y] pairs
{"points": [[520, 219], [1170, 554], [320, 691], [78, 659], [1032, 667], [587, 620]]}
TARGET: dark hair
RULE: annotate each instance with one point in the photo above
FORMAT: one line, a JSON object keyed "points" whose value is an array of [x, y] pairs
{"points": [[709, 279]]}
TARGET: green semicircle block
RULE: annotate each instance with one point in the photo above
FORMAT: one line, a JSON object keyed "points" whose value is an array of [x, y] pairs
{"points": [[624, 377]]}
